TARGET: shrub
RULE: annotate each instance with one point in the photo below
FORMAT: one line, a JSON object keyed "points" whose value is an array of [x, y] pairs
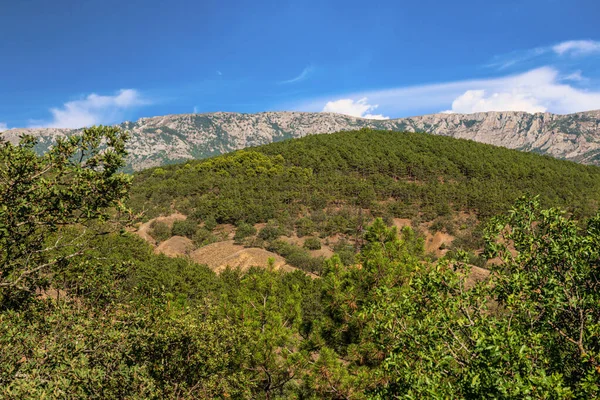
{"points": [[203, 236], [269, 232], [297, 256], [243, 231], [443, 224], [160, 231], [312, 243], [468, 240], [300, 258], [210, 223], [254, 241], [379, 210], [285, 221], [318, 216], [402, 209], [158, 172], [345, 251], [185, 228], [305, 227], [280, 247]]}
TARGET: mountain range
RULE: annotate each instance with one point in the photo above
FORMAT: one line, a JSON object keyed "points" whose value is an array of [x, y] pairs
{"points": [[175, 138]]}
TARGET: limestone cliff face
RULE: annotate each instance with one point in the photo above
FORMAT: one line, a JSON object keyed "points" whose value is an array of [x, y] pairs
{"points": [[575, 137], [175, 138]]}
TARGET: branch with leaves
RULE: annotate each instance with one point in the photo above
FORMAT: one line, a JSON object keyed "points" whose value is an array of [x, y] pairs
{"points": [[77, 182]]}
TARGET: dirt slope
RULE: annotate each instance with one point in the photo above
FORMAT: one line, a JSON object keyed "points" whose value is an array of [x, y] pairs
{"points": [[177, 246], [144, 229], [433, 242], [222, 254]]}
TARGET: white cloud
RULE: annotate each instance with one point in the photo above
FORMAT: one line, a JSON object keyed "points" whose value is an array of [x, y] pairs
{"points": [[532, 91], [306, 72], [577, 47], [538, 90], [3, 127], [195, 110], [94, 110], [479, 101], [359, 108]]}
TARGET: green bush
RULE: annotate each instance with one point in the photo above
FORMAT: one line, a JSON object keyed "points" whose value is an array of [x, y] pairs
{"points": [[471, 239], [158, 172], [160, 231], [269, 232], [297, 256], [305, 227], [210, 223], [303, 260], [312, 243], [286, 222], [203, 236], [345, 251], [443, 224], [185, 228], [243, 231]]}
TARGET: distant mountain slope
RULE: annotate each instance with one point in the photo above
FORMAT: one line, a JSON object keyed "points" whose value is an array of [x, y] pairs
{"points": [[174, 138]]}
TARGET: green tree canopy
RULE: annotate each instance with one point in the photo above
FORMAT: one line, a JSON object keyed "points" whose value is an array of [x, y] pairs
{"points": [[75, 182]]}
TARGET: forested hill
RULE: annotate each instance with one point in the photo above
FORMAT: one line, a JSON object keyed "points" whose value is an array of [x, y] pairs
{"points": [[410, 175], [363, 167], [176, 138]]}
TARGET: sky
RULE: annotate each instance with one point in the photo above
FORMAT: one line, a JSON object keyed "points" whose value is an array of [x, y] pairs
{"points": [[78, 63]]}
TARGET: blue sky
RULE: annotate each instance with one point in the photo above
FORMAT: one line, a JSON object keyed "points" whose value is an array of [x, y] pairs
{"points": [[75, 63]]}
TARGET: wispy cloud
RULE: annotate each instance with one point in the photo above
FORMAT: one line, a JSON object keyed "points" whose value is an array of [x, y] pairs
{"points": [[219, 73], [545, 54], [3, 126], [94, 109], [306, 72], [540, 89], [577, 47], [359, 108], [505, 61]]}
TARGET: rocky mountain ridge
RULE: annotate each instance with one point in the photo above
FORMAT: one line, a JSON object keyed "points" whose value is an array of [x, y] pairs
{"points": [[176, 138]]}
